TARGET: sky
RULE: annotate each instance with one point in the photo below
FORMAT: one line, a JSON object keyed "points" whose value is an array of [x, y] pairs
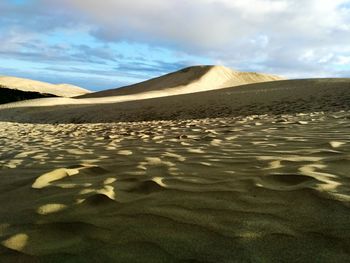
{"points": [[110, 43]]}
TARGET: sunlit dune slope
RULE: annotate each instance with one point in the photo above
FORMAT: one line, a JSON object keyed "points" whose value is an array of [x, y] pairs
{"points": [[278, 97], [61, 90], [188, 80]]}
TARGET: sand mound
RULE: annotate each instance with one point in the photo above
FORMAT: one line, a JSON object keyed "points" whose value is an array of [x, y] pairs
{"points": [[188, 80], [277, 97], [61, 90]]}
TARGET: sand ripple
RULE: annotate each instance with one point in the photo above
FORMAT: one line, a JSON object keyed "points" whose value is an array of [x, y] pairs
{"points": [[253, 189]]}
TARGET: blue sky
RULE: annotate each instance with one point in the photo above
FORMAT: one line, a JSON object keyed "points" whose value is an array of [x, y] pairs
{"points": [[110, 43]]}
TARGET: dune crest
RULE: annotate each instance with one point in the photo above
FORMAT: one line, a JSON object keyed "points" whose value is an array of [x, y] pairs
{"points": [[61, 90], [188, 80]]}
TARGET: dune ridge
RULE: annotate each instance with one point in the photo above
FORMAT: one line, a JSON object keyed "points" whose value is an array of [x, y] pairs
{"points": [[188, 80], [277, 97], [22, 84]]}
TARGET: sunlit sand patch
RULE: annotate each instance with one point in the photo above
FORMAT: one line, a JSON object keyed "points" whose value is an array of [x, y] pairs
{"points": [[40, 156], [87, 191], [125, 152], [205, 163], [216, 142], [158, 138], [328, 183], [193, 150], [274, 165], [155, 161], [159, 181], [14, 163], [336, 144], [230, 138], [108, 190], [258, 142], [17, 242], [77, 152], [111, 148], [50, 209], [79, 200], [109, 180], [46, 179], [174, 155]]}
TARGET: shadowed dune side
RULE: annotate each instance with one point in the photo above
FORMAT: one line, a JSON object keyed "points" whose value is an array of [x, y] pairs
{"points": [[188, 80], [28, 85], [277, 97], [10, 95]]}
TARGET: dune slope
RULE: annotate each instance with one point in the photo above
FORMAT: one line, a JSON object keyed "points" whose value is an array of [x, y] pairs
{"points": [[61, 90], [278, 97], [188, 80]]}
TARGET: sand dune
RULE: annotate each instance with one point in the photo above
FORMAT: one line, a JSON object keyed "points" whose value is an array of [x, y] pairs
{"points": [[188, 80], [61, 90], [278, 97], [251, 173]]}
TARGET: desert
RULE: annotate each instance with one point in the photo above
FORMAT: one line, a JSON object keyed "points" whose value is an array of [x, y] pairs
{"points": [[227, 175], [148, 131]]}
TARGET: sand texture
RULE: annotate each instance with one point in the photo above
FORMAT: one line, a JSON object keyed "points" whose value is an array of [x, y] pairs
{"points": [[240, 189], [61, 90], [277, 97], [189, 167]]}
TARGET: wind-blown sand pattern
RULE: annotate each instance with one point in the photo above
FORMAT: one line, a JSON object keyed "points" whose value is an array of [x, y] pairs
{"points": [[259, 188]]}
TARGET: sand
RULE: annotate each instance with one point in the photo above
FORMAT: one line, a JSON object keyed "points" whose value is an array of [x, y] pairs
{"points": [[251, 173], [186, 81], [276, 98], [61, 90], [261, 188]]}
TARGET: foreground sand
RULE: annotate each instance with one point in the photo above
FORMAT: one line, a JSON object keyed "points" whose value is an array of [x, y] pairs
{"points": [[253, 189]]}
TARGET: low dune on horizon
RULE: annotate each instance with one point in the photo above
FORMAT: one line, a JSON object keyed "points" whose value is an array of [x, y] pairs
{"points": [[27, 89], [188, 80]]}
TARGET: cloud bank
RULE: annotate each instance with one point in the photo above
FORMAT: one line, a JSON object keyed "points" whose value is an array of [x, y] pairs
{"points": [[144, 38]]}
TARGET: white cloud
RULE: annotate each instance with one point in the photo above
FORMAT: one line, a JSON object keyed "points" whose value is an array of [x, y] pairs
{"points": [[289, 37]]}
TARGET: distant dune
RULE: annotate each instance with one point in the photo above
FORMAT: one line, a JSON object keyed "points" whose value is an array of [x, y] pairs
{"points": [[188, 80], [11, 95], [28, 85], [278, 97]]}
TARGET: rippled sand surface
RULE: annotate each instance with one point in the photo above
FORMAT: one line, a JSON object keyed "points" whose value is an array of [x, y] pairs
{"points": [[253, 189]]}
